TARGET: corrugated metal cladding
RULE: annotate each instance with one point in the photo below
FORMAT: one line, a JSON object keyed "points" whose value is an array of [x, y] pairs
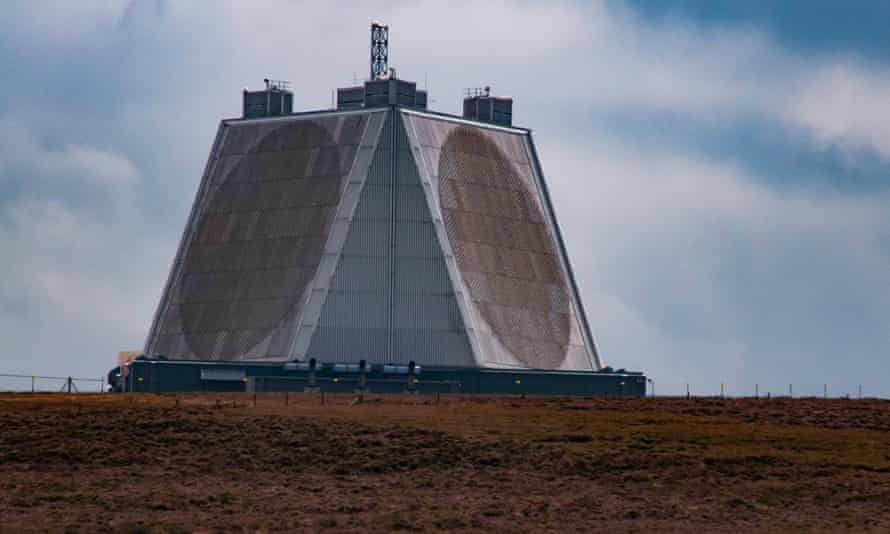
{"points": [[508, 257], [263, 214], [390, 299]]}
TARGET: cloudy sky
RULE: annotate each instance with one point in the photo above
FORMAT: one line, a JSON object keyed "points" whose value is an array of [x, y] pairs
{"points": [[719, 168]]}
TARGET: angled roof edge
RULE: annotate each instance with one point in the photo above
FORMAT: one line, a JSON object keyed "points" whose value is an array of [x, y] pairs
{"points": [[301, 114], [188, 234], [425, 113], [457, 119], [581, 314]]}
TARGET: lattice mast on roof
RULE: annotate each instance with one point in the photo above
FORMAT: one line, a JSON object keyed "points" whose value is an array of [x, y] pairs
{"points": [[379, 50]]}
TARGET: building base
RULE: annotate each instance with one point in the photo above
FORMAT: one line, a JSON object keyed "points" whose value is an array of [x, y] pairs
{"points": [[162, 376]]}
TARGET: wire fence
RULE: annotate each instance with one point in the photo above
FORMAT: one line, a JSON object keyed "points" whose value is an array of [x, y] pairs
{"points": [[765, 391], [51, 384], [71, 384]]}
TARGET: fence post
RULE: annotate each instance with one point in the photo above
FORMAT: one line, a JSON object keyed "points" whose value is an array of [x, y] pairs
{"points": [[33, 379], [756, 391], [412, 380], [860, 391], [312, 373], [69, 384], [362, 378]]}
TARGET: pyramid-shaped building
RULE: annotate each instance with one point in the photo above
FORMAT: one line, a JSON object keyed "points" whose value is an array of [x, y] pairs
{"points": [[385, 234], [376, 232]]}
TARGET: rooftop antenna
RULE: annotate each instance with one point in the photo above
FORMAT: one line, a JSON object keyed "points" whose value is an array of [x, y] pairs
{"points": [[276, 85], [471, 92], [426, 87], [379, 50]]}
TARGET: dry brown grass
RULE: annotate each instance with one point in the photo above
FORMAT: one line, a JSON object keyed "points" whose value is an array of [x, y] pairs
{"points": [[154, 463]]}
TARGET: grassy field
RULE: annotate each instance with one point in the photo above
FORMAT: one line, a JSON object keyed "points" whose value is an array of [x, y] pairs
{"points": [[220, 463]]}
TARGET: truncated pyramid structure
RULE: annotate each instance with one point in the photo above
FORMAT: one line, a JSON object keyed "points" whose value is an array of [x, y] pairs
{"points": [[386, 234]]}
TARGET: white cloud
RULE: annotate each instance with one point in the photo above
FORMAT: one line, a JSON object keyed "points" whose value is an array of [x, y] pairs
{"points": [[684, 262], [845, 102], [22, 153], [74, 290], [54, 23], [97, 164]]}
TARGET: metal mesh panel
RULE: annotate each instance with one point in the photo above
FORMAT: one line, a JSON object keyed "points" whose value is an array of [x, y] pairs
{"points": [[495, 223], [258, 238]]}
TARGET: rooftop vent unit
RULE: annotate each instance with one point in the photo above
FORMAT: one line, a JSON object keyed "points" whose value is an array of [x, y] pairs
{"points": [[378, 93], [276, 99], [479, 105]]}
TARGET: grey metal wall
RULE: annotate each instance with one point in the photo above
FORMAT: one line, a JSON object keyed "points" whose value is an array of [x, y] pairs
{"points": [[390, 299], [500, 230], [263, 213]]}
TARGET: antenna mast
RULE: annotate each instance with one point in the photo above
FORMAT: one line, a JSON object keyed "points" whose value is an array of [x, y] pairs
{"points": [[379, 50]]}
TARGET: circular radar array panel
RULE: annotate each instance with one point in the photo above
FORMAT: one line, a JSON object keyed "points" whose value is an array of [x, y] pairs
{"points": [[503, 248], [260, 239]]}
